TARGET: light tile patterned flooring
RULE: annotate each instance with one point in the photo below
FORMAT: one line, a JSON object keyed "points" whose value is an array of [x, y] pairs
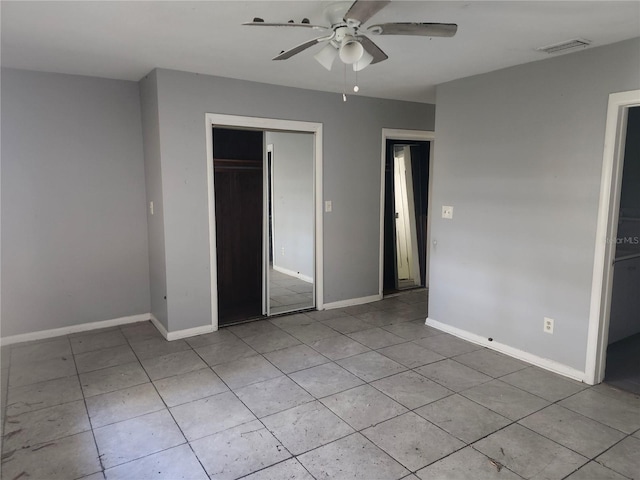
{"points": [[367, 392]]}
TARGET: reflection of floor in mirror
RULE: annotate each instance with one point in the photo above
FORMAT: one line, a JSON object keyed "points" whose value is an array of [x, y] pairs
{"points": [[288, 293], [404, 284]]}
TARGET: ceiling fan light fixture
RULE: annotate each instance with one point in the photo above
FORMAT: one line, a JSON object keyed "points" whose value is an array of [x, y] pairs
{"points": [[364, 61], [345, 34], [326, 56], [351, 50]]}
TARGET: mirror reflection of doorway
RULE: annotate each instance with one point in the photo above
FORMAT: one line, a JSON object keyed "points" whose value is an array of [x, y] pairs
{"points": [[405, 217], [291, 222], [265, 222]]}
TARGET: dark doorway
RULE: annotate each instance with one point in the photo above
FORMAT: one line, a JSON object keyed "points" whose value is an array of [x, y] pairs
{"points": [[623, 351], [405, 246], [238, 181]]}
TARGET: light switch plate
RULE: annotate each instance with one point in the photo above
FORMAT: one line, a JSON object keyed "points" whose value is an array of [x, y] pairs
{"points": [[328, 206], [447, 212]]}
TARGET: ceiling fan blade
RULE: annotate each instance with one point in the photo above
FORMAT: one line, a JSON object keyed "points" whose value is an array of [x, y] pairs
{"points": [[373, 50], [363, 10], [422, 29], [305, 25], [299, 48]]}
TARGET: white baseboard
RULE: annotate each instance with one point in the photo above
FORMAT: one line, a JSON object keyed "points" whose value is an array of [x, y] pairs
{"points": [[291, 273], [114, 322], [177, 335], [84, 327], [159, 326], [190, 332], [352, 301], [541, 362]]}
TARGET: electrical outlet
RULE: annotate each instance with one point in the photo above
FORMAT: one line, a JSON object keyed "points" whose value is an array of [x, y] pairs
{"points": [[328, 206], [447, 212], [282, 251], [548, 325]]}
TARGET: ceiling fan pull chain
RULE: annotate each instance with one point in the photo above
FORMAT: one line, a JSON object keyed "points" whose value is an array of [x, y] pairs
{"points": [[344, 89]]}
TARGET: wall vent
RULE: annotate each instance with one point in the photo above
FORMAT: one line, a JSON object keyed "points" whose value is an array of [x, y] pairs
{"points": [[564, 46]]}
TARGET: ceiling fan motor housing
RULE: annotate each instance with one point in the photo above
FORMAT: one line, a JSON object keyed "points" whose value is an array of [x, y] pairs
{"points": [[341, 33], [335, 12]]}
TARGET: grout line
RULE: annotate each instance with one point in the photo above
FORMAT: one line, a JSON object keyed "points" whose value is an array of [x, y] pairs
{"points": [[166, 408], [86, 409], [247, 407]]}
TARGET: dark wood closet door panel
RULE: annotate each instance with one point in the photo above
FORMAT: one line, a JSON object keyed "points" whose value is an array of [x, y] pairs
{"points": [[238, 191], [389, 278]]}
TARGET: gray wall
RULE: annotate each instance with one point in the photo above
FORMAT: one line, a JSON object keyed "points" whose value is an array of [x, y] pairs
{"points": [[352, 139], [518, 153], [293, 207], [153, 181], [74, 232]]}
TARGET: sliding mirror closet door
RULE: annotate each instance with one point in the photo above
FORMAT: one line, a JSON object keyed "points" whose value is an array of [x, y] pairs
{"points": [[290, 245], [265, 205]]}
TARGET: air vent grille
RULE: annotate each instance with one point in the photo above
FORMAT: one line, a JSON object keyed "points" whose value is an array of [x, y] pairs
{"points": [[564, 46]]}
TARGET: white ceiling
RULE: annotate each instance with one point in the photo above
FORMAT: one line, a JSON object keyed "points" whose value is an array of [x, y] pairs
{"points": [[127, 39]]}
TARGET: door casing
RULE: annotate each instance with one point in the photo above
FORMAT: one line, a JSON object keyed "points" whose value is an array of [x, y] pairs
{"points": [[395, 134], [606, 228], [220, 120]]}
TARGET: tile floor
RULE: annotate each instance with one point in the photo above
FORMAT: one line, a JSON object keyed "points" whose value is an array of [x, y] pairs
{"points": [[366, 392]]}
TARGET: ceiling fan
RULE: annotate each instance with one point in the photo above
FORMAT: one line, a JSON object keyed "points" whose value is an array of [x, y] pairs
{"points": [[346, 37]]}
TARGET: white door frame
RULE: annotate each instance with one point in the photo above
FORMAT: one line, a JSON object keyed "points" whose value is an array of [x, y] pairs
{"points": [[606, 230], [415, 135], [271, 124]]}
